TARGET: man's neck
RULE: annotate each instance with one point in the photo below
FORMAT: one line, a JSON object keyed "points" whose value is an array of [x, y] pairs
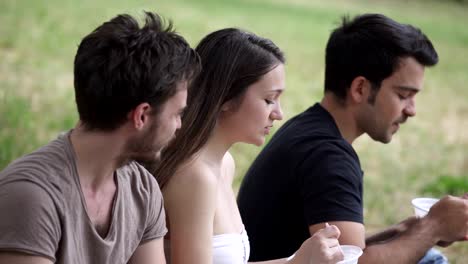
{"points": [[343, 115], [97, 154]]}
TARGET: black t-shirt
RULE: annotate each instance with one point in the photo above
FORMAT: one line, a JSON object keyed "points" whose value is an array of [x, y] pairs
{"points": [[307, 174]]}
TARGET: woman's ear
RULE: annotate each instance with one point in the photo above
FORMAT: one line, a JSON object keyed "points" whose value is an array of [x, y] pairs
{"points": [[227, 106]]}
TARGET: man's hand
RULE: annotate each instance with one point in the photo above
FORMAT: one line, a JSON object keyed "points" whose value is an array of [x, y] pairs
{"points": [[450, 219]]}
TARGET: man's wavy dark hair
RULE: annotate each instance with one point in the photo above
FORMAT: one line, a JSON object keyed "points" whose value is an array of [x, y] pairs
{"points": [[120, 65]]}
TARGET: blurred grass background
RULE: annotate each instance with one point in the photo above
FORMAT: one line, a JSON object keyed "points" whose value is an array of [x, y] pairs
{"points": [[428, 157]]}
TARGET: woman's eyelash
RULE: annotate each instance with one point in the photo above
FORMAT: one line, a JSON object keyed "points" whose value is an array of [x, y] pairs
{"points": [[269, 101]]}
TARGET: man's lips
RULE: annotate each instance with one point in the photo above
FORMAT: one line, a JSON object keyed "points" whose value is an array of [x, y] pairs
{"points": [[267, 129]]}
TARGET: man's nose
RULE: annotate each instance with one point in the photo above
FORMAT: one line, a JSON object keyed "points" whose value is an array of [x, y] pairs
{"points": [[410, 108]]}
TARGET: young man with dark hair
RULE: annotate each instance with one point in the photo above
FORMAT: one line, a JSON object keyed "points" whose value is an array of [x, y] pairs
{"points": [[309, 173], [82, 198]]}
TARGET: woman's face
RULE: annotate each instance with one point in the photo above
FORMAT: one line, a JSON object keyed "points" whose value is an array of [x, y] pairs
{"points": [[252, 119]]}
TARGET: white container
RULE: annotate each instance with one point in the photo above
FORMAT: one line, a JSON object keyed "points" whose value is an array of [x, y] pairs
{"points": [[423, 205], [351, 254]]}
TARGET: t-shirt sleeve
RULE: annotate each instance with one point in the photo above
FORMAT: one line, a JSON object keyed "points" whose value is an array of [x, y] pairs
{"points": [[156, 222], [330, 183], [29, 222]]}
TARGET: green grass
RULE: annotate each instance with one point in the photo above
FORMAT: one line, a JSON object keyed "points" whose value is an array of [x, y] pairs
{"points": [[38, 41], [446, 184]]}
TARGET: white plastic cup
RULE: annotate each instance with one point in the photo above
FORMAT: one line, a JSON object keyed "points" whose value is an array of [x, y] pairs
{"points": [[423, 205], [351, 254]]}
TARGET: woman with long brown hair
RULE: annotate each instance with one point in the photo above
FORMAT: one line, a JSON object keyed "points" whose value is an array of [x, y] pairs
{"points": [[234, 99]]}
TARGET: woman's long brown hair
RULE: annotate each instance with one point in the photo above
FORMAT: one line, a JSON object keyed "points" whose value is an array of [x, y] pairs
{"points": [[232, 60]]}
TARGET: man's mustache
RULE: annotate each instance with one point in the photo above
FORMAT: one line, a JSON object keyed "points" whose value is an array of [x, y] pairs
{"points": [[402, 119]]}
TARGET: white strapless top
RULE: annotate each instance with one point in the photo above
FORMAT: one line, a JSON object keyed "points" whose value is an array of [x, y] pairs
{"points": [[227, 248], [231, 248]]}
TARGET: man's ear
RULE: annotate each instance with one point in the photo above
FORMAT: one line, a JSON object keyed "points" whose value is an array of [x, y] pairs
{"points": [[359, 90], [139, 116]]}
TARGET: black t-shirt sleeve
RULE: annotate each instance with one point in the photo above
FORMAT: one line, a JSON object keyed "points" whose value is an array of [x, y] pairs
{"points": [[330, 184]]}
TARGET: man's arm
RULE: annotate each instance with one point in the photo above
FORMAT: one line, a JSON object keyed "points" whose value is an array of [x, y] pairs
{"points": [[29, 225], [403, 248], [391, 232], [409, 241], [352, 233], [149, 253], [18, 258]]}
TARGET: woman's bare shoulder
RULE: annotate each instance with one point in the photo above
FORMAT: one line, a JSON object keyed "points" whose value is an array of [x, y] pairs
{"points": [[193, 179], [228, 167]]}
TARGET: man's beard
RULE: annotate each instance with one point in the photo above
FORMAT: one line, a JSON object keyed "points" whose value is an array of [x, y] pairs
{"points": [[144, 148]]}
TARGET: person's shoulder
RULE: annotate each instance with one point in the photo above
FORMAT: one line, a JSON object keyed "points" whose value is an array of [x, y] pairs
{"points": [[193, 181], [335, 143], [136, 177], [195, 173], [309, 129], [319, 146], [331, 160], [334, 149], [328, 154], [194, 177], [26, 190], [228, 167], [48, 164], [31, 219], [228, 160], [28, 195], [133, 169], [45, 155]]}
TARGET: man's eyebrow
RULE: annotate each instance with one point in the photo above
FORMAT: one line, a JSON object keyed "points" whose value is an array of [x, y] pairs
{"points": [[408, 88]]}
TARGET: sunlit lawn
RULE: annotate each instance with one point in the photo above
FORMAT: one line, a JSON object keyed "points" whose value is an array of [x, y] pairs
{"points": [[38, 40]]}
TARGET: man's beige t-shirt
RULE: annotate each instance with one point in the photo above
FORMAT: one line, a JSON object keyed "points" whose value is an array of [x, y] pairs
{"points": [[43, 210]]}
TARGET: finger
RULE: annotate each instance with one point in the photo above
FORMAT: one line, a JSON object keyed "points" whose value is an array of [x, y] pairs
{"points": [[331, 231], [336, 254], [340, 249], [331, 242]]}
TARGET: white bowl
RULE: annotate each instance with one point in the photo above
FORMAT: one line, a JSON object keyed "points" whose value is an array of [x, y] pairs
{"points": [[351, 254], [422, 205]]}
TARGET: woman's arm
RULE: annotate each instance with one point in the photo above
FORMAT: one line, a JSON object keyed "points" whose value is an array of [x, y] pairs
{"points": [[149, 253], [190, 202]]}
